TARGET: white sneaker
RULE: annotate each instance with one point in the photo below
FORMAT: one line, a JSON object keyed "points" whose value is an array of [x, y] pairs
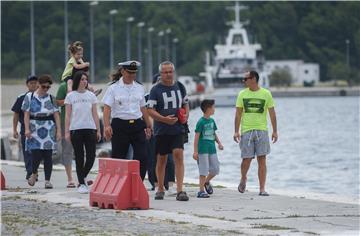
{"points": [[172, 191], [83, 189]]}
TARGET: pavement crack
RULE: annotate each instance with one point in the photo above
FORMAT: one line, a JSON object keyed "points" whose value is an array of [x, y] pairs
{"points": [[297, 216], [330, 223]]}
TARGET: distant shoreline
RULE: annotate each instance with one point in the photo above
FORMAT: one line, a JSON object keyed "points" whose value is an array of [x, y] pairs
{"points": [[315, 91]]}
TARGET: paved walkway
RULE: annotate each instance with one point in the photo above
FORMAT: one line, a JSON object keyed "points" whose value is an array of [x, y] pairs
{"points": [[29, 210]]}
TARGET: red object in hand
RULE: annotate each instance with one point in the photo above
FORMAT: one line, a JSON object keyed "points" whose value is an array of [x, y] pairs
{"points": [[181, 114]]}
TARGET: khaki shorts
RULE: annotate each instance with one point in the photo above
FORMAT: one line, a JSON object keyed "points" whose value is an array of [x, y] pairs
{"points": [[66, 149], [254, 143]]}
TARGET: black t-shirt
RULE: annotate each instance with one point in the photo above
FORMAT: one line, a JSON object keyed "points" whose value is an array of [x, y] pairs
{"points": [[167, 100], [17, 108]]}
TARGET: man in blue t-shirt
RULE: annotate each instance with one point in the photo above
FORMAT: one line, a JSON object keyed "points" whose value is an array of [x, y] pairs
{"points": [[32, 85], [165, 100]]}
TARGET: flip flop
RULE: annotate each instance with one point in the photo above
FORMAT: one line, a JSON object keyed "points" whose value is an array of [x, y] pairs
{"points": [[265, 194], [71, 185], [242, 187], [202, 195], [208, 188]]}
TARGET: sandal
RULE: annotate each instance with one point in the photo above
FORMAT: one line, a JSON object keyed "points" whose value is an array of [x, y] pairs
{"points": [[208, 188], [71, 185], [159, 195], [32, 179], [242, 187], [182, 196], [202, 194], [265, 194]]}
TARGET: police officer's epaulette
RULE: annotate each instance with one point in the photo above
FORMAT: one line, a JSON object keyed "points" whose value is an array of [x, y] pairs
{"points": [[138, 82]]}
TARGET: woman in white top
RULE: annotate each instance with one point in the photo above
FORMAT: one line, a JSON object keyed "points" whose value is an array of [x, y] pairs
{"points": [[82, 126]]}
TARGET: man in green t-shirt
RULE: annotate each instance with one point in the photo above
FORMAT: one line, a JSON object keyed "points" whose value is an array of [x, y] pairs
{"points": [[252, 105], [67, 152]]}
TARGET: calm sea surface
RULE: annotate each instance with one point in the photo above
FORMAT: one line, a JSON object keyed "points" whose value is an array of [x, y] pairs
{"points": [[317, 150]]}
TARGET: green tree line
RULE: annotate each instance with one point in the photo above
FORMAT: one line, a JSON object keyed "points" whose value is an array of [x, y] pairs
{"points": [[311, 31]]}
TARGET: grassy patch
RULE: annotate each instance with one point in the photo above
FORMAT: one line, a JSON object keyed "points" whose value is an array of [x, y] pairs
{"points": [[12, 81], [191, 185], [312, 233], [16, 197], [270, 227], [17, 189], [258, 218], [210, 217], [214, 217], [171, 221], [234, 232], [218, 186], [203, 226]]}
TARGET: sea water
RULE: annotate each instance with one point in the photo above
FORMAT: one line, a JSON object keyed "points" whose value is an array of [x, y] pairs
{"points": [[317, 150]]}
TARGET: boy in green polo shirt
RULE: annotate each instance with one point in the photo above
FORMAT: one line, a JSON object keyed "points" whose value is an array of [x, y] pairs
{"points": [[204, 148]]}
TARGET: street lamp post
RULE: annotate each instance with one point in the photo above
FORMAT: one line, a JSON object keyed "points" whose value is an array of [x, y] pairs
{"points": [[160, 34], [66, 31], [128, 41], [111, 26], [175, 41], [32, 38], [167, 43], [92, 57], [347, 41], [140, 25], [149, 45]]}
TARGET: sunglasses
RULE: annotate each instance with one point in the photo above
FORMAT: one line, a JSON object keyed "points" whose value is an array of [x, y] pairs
{"points": [[45, 87], [246, 78]]}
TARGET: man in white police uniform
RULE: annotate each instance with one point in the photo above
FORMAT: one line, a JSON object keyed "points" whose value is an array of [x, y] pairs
{"points": [[164, 102], [124, 101]]}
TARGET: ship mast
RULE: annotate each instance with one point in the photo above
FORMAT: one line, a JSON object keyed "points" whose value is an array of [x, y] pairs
{"points": [[237, 24]]}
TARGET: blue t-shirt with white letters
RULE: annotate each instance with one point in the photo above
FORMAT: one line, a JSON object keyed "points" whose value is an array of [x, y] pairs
{"points": [[167, 100]]}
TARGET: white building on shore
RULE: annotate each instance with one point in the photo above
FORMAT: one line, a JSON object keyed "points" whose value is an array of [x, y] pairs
{"points": [[300, 72]]}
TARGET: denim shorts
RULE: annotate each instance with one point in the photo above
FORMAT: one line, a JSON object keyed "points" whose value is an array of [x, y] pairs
{"points": [[208, 163], [254, 143]]}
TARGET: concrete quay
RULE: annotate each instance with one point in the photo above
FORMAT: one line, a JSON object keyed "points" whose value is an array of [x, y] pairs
{"points": [[226, 212]]}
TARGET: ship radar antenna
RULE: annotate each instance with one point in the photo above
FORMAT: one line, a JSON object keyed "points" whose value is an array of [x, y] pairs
{"points": [[237, 8]]}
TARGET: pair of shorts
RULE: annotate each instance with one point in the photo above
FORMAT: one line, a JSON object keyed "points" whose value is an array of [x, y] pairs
{"points": [[165, 144], [254, 143], [67, 151], [208, 164]]}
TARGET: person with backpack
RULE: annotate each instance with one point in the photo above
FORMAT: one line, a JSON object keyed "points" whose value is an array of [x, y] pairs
{"points": [[18, 117], [42, 128]]}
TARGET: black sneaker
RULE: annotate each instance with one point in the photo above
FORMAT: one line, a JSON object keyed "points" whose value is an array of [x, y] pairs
{"points": [[182, 196], [208, 188], [159, 195]]}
